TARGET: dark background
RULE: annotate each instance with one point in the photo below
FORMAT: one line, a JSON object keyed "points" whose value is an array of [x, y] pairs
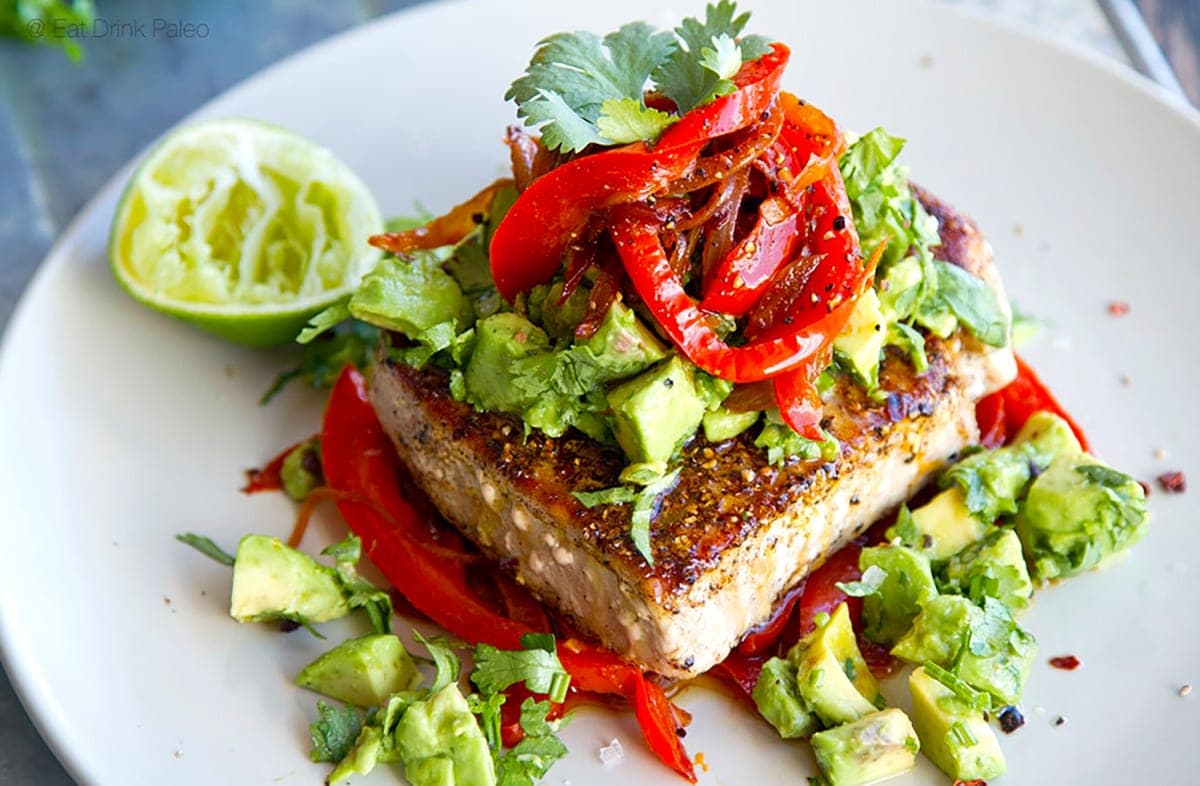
{"points": [[65, 128]]}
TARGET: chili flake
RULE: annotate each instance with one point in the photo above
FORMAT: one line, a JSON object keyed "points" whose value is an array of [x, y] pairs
{"points": [[1173, 482], [1065, 662], [1118, 308]]}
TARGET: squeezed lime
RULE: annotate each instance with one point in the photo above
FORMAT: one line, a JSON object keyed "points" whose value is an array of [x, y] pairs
{"points": [[244, 229]]}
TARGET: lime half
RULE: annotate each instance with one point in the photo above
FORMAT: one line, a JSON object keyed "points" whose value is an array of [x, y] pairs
{"points": [[244, 229]]}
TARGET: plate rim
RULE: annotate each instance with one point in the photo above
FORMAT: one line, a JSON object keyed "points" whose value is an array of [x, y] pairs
{"points": [[30, 683]]}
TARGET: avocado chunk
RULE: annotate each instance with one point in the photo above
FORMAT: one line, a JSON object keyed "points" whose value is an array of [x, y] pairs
{"points": [[721, 424], [362, 671], [994, 567], [940, 528], [860, 345], [983, 646], [831, 675], [410, 295], [558, 318], [1077, 513], [939, 631], [622, 345], [887, 614], [876, 746], [441, 743], [300, 472], [657, 411], [953, 734], [500, 341], [1049, 436], [778, 699], [274, 582]]}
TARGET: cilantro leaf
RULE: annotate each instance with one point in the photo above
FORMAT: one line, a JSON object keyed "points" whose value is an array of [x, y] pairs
{"points": [[207, 547], [341, 341], [444, 660], [488, 710], [571, 75], [624, 120], [529, 761], [334, 732], [869, 584], [536, 666], [689, 77], [643, 512], [360, 593]]}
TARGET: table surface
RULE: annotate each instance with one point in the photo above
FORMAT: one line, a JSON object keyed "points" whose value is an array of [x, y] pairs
{"points": [[66, 128]]}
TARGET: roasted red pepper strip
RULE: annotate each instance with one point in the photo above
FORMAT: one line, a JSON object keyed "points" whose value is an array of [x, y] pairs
{"points": [[691, 328], [528, 245], [358, 457], [739, 279], [444, 230], [1006, 410], [657, 717], [268, 477]]}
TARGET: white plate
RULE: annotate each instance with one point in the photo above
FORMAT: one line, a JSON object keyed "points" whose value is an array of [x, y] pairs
{"points": [[119, 428]]}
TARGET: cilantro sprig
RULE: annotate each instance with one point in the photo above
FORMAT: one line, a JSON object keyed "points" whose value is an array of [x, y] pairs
{"points": [[581, 89]]}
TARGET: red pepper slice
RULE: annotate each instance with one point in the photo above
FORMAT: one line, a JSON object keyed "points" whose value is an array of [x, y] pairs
{"points": [[444, 230], [657, 716], [691, 328], [358, 457], [268, 477], [739, 279], [1006, 410], [528, 245]]}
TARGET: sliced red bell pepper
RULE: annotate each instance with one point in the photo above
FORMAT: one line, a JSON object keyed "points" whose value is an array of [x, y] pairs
{"points": [[738, 280], [268, 477], [691, 328], [1006, 410], [358, 457], [444, 230], [657, 716], [527, 247]]}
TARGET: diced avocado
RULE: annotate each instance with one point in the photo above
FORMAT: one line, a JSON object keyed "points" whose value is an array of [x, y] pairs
{"points": [[623, 345], [363, 671], [876, 746], [953, 735], [300, 472], [272, 582], [941, 527], [361, 760], [993, 567], [900, 288], [779, 701], [1049, 436], [984, 647], [441, 743], [991, 481], [721, 424], [500, 341], [888, 613], [831, 675], [1077, 513], [998, 660], [860, 344], [939, 631], [657, 411], [560, 319], [410, 295]]}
